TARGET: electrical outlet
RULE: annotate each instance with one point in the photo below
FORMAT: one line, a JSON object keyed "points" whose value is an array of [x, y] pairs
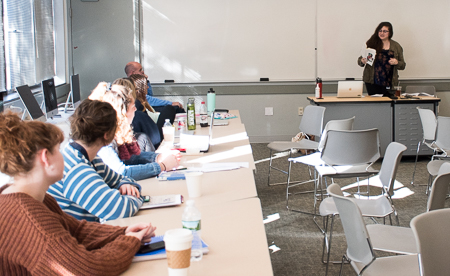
{"points": [[300, 111], [269, 111]]}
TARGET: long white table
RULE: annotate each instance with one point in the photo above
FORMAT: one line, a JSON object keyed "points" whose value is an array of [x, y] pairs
{"points": [[232, 222]]}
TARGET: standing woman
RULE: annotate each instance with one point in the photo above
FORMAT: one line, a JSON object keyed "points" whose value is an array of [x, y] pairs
{"points": [[383, 74], [37, 237]]}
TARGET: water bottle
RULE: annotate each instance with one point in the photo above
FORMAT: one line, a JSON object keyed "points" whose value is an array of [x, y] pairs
{"points": [[191, 114], [168, 131], [317, 92], [203, 115], [191, 219], [211, 101], [319, 82]]}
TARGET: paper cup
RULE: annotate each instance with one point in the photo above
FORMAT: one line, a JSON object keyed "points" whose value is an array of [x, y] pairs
{"points": [[194, 183], [178, 248]]}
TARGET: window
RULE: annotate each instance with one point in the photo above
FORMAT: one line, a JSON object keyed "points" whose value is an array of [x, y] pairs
{"points": [[28, 40]]}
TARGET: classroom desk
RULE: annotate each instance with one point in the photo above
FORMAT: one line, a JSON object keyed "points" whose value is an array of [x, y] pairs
{"points": [[397, 120], [217, 188], [234, 232]]}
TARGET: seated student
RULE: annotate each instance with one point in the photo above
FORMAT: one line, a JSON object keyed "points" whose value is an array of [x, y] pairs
{"points": [[140, 83], [90, 189], [136, 68], [37, 237], [123, 155]]}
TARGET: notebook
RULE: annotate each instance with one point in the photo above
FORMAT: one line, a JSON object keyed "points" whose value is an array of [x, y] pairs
{"points": [[30, 103], [350, 89]]}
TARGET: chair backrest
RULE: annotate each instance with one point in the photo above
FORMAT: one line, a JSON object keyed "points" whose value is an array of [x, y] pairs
{"points": [[431, 233], [429, 123], [388, 171], [359, 248], [439, 189], [345, 124], [312, 120], [418, 89], [443, 132], [351, 147]]}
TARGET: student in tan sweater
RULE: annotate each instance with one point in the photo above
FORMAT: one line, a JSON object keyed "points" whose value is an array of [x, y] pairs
{"points": [[37, 237]]}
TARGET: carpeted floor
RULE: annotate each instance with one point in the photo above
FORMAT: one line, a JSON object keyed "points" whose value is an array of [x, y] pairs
{"points": [[298, 238]]}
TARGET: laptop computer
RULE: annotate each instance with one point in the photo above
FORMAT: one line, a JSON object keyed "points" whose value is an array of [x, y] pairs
{"points": [[202, 142], [30, 103], [350, 89]]}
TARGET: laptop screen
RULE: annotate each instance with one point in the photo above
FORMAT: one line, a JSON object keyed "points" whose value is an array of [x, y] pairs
{"points": [[30, 103]]}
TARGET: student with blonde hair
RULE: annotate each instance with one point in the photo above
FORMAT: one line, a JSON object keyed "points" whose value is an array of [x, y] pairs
{"points": [[37, 237], [123, 155]]}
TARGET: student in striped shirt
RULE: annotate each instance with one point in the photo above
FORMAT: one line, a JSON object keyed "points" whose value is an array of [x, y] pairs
{"points": [[90, 190]]}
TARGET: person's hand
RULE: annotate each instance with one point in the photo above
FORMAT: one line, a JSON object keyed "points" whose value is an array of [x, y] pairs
{"points": [[393, 61], [169, 160], [143, 231], [128, 189], [177, 104], [364, 60]]}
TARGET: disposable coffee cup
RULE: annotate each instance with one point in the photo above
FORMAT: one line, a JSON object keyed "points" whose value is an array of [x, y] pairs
{"points": [[178, 248], [194, 183]]}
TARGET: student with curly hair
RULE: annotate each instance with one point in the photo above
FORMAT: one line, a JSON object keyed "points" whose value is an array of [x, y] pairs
{"points": [[37, 237]]}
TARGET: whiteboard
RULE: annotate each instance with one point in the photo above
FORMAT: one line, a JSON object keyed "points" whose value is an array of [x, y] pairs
{"points": [[421, 27], [244, 40], [228, 40]]}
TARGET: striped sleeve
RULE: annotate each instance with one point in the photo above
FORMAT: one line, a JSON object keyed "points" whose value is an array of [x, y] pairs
{"points": [[112, 178]]}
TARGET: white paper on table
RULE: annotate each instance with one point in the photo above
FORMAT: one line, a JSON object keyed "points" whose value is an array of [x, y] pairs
{"points": [[216, 167]]}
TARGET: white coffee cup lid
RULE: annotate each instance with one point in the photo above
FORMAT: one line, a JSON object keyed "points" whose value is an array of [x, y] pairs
{"points": [[178, 235]]}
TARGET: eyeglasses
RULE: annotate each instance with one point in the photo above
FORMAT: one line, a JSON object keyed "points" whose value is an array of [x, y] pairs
{"points": [[383, 31]]}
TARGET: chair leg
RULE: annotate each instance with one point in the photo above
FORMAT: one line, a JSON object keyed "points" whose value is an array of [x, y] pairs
{"points": [[287, 185], [270, 167], [329, 244], [415, 163]]}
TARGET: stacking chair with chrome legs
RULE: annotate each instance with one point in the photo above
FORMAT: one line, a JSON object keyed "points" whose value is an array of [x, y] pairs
{"points": [[311, 124], [314, 159], [360, 246], [373, 208], [429, 126]]}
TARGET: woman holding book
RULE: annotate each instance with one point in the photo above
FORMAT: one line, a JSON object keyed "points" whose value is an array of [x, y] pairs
{"points": [[382, 75], [37, 237]]}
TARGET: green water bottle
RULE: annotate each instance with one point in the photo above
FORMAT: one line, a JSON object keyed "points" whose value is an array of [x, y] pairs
{"points": [[191, 114]]}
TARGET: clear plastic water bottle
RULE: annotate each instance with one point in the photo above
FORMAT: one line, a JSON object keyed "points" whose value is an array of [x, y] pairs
{"points": [[203, 115], [168, 132], [191, 219]]}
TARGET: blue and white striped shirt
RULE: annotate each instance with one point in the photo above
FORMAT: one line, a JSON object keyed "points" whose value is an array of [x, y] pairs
{"points": [[89, 190]]}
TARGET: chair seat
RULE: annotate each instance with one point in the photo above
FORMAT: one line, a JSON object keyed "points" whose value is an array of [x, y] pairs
{"points": [[433, 166], [378, 208], [405, 265], [302, 144], [345, 171], [310, 159], [395, 239]]}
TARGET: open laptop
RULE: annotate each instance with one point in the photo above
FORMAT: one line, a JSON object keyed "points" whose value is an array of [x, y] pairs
{"points": [[350, 89], [202, 142], [30, 103]]}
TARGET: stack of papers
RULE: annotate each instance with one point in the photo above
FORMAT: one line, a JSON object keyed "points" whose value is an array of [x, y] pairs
{"points": [[162, 201]]}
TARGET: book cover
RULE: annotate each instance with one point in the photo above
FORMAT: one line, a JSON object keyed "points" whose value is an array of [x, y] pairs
{"points": [[161, 253]]}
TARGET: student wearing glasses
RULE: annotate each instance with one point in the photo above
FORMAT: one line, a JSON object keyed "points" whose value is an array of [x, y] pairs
{"points": [[382, 75], [37, 237]]}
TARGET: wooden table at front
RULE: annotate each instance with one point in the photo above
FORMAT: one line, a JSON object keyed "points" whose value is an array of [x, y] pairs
{"points": [[234, 232]]}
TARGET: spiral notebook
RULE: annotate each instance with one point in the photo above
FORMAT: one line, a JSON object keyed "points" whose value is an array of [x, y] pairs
{"points": [[161, 253]]}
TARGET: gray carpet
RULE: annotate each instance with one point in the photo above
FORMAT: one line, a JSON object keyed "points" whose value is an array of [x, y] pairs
{"points": [[298, 238]]}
